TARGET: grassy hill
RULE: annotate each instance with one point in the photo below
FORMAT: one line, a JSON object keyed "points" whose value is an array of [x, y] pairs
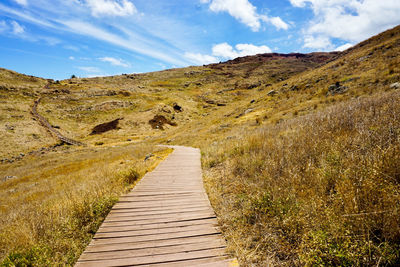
{"points": [[300, 153]]}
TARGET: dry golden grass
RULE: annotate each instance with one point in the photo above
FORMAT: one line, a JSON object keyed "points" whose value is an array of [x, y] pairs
{"points": [[320, 189], [51, 211]]}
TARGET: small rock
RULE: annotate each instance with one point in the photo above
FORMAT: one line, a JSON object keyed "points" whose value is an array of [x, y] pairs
{"points": [[248, 111], [251, 86], [337, 88], [272, 93], [177, 107], [294, 88], [148, 156], [10, 127], [252, 101], [128, 139], [9, 177], [395, 85]]}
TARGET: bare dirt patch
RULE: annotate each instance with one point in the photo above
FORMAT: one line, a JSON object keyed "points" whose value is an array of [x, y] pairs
{"points": [[158, 122], [105, 127]]}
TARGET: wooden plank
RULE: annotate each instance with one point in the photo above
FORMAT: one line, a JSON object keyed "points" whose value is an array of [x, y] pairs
{"points": [[208, 262], [186, 228], [157, 221], [156, 209], [174, 257], [139, 238], [140, 252], [152, 243], [136, 213], [105, 229], [157, 218]]}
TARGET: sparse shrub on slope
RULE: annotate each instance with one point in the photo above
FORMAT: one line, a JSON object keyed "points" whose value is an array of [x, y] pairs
{"points": [[321, 189]]}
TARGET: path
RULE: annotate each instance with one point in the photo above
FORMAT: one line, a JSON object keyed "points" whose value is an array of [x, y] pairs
{"points": [[42, 120], [166, 220]]}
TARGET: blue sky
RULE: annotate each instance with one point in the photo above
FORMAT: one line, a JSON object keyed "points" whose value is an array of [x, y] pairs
{"points": [[58, 38]]}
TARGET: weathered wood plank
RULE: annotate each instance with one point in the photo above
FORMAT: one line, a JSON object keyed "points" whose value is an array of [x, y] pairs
{"points": [[173, 257]]}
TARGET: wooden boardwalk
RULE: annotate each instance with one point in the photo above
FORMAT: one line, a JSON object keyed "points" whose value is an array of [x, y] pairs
{"points": [[166, 220]]}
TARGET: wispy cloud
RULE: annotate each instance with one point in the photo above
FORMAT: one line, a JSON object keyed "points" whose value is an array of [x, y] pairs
{"points": [[3, 26], [90, 69], [111, 7], [87, 29], [115, 61], [22, 2], [124, 37], [26, 17]]}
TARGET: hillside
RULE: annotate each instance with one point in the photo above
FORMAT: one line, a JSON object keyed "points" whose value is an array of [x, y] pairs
{"points": [[300, 152]]}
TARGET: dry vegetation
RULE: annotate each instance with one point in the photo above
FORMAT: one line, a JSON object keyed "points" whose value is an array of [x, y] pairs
{"points": [[322, 189], [301, 154], [55, 205]]}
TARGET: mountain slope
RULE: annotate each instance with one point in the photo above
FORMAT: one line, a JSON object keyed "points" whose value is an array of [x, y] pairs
{"points": [[300, 152]]}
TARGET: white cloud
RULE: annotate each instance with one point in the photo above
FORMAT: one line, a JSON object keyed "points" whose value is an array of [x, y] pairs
{"points": [[200, 58], [16, 28], [71, 58], [115, 61], [226, 51], [279, 23], [344, 47], [90, 69], [245, 12], [22, 2], [350, 20], [111, 7], [320, 43]]}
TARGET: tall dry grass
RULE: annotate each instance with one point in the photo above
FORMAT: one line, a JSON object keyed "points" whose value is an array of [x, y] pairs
{"points": [[52, 229], [321, 189]]}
